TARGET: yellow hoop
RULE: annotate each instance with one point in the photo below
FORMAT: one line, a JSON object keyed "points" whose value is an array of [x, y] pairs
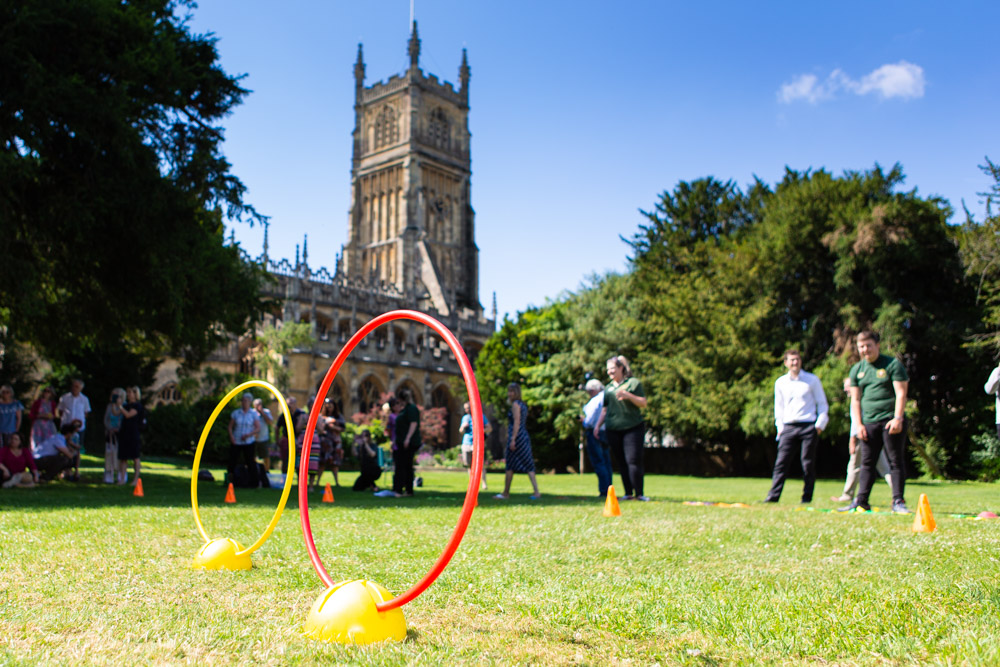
{"points": [[288, 477]]}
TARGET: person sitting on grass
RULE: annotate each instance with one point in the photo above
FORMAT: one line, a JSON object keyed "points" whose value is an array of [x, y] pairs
{"points": [[55, 454], [365, 451], [15, 464]]}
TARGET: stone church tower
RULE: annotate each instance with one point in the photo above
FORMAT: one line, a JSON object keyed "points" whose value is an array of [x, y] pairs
{"points": [[411, 224]]}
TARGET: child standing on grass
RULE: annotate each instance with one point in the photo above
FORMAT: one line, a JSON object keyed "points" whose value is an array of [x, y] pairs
{"points": [[113, 417]]}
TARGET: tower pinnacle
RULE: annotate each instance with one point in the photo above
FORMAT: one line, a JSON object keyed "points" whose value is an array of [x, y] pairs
{"points": [[414, 47], [463, 73], [359, 69]]}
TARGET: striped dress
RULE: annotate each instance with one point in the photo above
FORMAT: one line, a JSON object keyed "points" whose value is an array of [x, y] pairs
{"points": [[519, 460]]}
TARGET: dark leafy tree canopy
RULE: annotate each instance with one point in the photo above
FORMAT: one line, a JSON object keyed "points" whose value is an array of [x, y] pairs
{"points": [[113, 186]]}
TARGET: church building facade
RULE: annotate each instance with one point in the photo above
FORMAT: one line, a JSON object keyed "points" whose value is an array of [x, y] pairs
{"points": [[410, 245]]}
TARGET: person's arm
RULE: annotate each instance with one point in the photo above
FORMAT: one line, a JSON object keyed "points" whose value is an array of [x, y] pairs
{"points": [[19, 412], [515, 412], [779, 407], [896, 423], [993, 383], [409, 434], [856, 412], [465, 425], [600, 422], [822, 407], [638, 401], [232, 425], [129, 413]]}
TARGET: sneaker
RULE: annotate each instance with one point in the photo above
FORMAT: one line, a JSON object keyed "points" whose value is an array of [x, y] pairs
{"points": [[854, 507], [500, 496], [644, 499], [899, 507], [109, 478], [842, 498], [769, 500], [626, 497]]}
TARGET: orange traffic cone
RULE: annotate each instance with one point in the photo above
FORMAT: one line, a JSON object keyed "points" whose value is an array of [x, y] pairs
{"points": [[328, 494], [924, 522], [230, 495], [138, 489], [611, 503]]}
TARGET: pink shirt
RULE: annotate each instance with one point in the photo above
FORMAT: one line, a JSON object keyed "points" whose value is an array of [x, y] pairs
{"points": [[16, 464]]}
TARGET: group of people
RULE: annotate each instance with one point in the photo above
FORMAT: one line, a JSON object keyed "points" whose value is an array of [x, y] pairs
{"points": [[57, 436], [613, 424], [877, 386]]}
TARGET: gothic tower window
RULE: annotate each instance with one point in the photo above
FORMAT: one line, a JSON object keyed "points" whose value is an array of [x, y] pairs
{"points": [[439, 130], [386, 127]]}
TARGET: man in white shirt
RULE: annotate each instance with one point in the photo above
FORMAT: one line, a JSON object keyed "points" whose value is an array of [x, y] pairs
{"points": [[800, 414], [992, 386], [74, 406]]}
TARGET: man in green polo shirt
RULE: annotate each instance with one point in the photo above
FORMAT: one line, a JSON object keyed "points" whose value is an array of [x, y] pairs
{"points": [[878, 396]]}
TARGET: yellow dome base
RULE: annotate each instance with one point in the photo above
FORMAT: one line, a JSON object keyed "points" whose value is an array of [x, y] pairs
{"points": [[221, 554], [346, 614]]}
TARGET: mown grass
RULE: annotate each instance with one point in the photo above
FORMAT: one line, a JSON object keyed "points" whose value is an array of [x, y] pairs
{"points": [[90, 574]]}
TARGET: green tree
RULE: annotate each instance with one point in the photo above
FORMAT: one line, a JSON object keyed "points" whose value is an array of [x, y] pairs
{"points": [[274, 343], [113, 186]]}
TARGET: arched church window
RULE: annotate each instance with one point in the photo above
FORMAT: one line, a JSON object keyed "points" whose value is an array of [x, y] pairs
{"points": [[386, 127], [439, 129], [368, 394]]}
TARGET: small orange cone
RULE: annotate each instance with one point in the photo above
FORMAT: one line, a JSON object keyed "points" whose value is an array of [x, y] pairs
{"points": [[328, 494], [924, 522], [230, 494], [611, 503], [138, 489]]}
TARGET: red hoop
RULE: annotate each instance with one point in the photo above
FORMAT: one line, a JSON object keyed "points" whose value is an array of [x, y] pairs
{"points": [[475, 474]]}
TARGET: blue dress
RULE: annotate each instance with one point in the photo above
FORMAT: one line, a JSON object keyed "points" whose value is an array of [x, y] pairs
{"points": [[519, 460]]}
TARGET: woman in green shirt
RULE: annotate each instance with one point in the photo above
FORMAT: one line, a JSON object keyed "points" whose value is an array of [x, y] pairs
{"points": [[626, 429]]}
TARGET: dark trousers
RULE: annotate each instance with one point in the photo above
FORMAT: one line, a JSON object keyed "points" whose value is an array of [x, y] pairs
{"points": [[879, 437], [402, 480], [244, 452], [627, 447], [49, 467], [370, 472], [798, 438], [600, 460]]}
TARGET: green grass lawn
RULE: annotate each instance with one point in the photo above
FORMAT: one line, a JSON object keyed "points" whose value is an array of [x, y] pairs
{"points": [[90, 574]]}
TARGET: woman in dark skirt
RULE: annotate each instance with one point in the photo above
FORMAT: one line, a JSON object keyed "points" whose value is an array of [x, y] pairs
{"points": [[517, 455], [129, 438]]}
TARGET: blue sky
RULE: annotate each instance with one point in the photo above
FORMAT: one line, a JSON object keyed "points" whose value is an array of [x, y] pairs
{"points": [[582, 113]]}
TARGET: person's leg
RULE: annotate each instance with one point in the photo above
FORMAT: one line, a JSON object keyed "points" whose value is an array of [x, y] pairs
{"points": [[398, 473], [808, 440], [882, 467], [853, 470], [598, 453], [506, 482], [137, 464], [616, 441], [870, 450], [894, 444], [110, 461], [122, 471], [787, 442], [410, 471], [634, 447], [534, 483]]}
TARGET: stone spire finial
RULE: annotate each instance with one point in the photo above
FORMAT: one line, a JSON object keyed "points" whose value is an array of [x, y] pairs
{"points": [[414, 47], [266, 225], [296, 255], [494, 308], [305, 249], [359, 69], [463, 73]]}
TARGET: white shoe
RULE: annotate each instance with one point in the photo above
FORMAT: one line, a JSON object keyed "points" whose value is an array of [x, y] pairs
{"points": [[109, 478]]}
